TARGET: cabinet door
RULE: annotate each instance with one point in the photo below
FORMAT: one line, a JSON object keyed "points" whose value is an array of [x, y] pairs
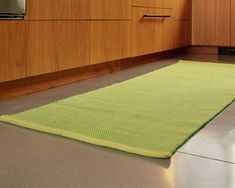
{"points": [[109, 40], [181, 33], [110, 9], [57, 9], [233, 23], [176, 34], [182, 9], [147, 33], [168, 41], [211, 22], [12, 50], [56, 45]]}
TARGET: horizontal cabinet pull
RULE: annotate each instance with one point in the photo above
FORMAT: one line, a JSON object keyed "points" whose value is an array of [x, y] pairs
{"points": [[156, 16]]}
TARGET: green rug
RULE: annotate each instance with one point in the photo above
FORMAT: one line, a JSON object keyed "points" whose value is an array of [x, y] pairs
{"points": [[151, 115]]}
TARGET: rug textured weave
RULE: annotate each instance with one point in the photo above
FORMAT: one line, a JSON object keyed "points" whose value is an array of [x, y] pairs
{"points": [[150, 115]]}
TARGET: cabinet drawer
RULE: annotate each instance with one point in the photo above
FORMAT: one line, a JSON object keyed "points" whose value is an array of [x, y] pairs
{"points": [[56, 45], [110, 9], [147, 32], [153, 3], [109, 40], [78, 9], [57, 9], [12, 50], [176, 34]]}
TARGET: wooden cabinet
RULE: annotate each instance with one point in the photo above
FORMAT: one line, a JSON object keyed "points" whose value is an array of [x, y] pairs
{"points": [[65, 34], [167, 4], [181, 33], [56, 45], [149, 3], [109, 40], [168, 41], [153, 3], [12, 50], [78, 9], [40, 47], [176, 31], [150, 35], [182, 9], [233, 23], [211, 22], [57, 9], [176, 34], [147, 33], [110, 9]]}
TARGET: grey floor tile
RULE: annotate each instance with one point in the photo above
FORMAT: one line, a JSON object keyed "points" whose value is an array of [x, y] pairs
{"points": [[31, 159], [217, 139]]}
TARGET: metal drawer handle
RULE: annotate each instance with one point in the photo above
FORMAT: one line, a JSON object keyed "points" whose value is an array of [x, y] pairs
{"points": [[156, 16]]}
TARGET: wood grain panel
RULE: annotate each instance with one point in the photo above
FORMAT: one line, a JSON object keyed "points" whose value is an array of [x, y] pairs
{"points": [[168, 4], [153, 3], [147, 33], [12, 50], [181, 33], [233, 23], [176, 34], [149, 3], [56, 45], [109, 40], [110, 9], [72, 44], [222, 23], [169, 35], [211, 22], [182, 9], [78, 9], [57, 9], [40, 47]]}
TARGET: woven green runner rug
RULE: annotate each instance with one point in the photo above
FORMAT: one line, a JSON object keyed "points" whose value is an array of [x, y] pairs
{"points": [[151, 115]]}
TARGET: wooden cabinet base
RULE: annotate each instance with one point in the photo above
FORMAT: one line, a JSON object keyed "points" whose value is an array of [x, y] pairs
{"points": [[12, 50], [56, 45], [109, 41], [176, 34], [38, 83], [233, 23], [146, 32], [211, 22]]}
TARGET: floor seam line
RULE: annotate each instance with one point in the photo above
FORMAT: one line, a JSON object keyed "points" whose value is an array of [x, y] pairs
{"points": [[204, 157]]}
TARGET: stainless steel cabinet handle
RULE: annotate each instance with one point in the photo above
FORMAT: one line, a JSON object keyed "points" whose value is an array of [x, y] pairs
{"points": [[156, 16], [9, 16]]}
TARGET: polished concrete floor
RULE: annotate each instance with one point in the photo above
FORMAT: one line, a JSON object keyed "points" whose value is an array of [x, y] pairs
{"points": [[29, 159]]}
